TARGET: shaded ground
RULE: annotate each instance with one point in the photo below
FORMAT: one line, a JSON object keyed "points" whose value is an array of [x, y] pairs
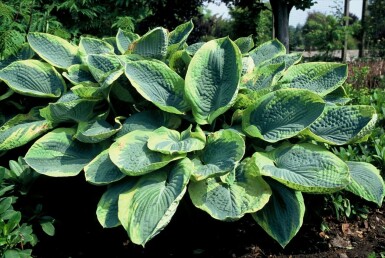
{"points": [[193, 233]]}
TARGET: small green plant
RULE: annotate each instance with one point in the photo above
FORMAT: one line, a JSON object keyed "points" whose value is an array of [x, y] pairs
{"points": [[239, 130], [16, 231]]}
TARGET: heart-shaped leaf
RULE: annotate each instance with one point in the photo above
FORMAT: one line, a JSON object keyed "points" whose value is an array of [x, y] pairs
{"points": [[147, 208], [96, 131], [212, 79], [230, 197]]}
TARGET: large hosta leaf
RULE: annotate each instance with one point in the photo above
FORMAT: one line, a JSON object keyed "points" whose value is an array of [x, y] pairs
{"points": [[267, 51], [288, 60], [153, 44], [89, 46], [57, 154], [33, 78], [366, 182], [147, 208], [179, 35], [343, 124], [124, 39], [54, 50], [102, 171], [223, 150], [156, 82], [319, 77], [132, 156], [262, 78], [149, 121], [79, 74], [212, 79], [69, 108], [96, 131], [282, 114], [304, 167], [21, 129], [107, 210], [245, 44], [282, 216], [231, 196], [169, 141], [105, 68]]}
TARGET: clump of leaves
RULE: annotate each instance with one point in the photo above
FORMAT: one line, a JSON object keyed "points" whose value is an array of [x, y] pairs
{"points": [[238, 129], [16, 230]]}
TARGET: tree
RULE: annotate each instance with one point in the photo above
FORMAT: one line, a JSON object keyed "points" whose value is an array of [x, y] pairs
{"points": [[375, 27], [281, 11]]}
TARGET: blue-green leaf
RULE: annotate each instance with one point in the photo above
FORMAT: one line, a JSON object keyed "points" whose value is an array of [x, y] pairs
{"points": [[33, 78], [148, 207], [57, 154], [282, 216], [159, 84], [212, 79]]}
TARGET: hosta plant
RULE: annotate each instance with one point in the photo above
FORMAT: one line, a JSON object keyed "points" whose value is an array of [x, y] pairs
{"points": [[238, 129]]}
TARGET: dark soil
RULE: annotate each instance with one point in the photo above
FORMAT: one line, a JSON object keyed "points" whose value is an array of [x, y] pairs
{"points": [[193, 233]]}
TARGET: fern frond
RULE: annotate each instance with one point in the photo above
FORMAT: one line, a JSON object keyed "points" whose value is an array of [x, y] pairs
{"points": [[10, 42], [126, 23], [6, 13]]}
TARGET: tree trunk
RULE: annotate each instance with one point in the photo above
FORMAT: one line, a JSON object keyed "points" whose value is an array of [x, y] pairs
{"points": [[363, 28], [346, 14], [281, 12]]}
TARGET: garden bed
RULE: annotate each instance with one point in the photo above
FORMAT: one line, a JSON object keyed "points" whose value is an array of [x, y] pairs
{"points": [[193, 233]]}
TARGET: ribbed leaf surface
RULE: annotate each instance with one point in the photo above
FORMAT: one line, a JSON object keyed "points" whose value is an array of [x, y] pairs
{"points": [[132, 156], [340, 125], [223, 150], [89, 46], [282, 114], [212, 79], [319, 77], [232, 196], [57, 154], [33, 78], [148, 121], [124, 40], [169, 141], [53, 49], [156, 82], [267, 51], [366, 182], [153, 44], [147, 208], [304, 167]]}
